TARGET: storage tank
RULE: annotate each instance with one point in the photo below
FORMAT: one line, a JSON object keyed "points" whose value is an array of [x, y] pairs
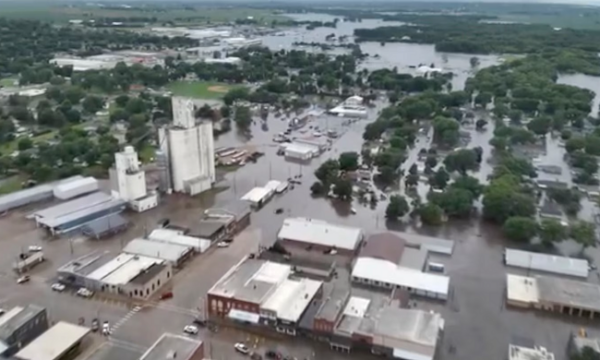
{"points": [[164, 173], [76, 188]]}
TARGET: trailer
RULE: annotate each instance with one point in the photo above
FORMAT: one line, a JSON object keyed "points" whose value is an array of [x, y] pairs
{"points": [[28, 261]]}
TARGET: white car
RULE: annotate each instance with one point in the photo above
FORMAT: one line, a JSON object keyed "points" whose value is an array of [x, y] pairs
{"points": [[106, 328], [241, 347], [34, 248], [83, 292], [223, 244], [190, 329], [58, 287]]}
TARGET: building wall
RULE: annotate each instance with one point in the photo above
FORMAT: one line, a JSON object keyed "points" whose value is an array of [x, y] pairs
{"points": [[26, 333], [198, 354], [136, 185], [144, 204], [220, 306], [75, 224], [144, 291], [322, 325], [319, 248]]}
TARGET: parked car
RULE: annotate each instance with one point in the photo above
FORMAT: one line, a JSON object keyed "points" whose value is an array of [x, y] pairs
{"points": [[83, 292], [58, 287], [223, 244], [95, 325], [190, 329], [272, 354], [166, 295], [2, 312], [23, 279], [105, 328], [255, 356], [242, 348], [34, 248], [199, 322]]}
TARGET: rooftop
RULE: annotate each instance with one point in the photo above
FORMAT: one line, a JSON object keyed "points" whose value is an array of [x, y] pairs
{"points": [[319, 232], [105, 224], [252, 280], [176, 237], [569, 292], [521, 289], [54, 343], [257, 194], [236, 208], [160, 250], [72, 206], [86, 264], [523, 353], [171, 346], [148, 274], [18, 318], [334, 298], [548, 263], [206, 229], [385, 246], [125, 268], [292, 297]]}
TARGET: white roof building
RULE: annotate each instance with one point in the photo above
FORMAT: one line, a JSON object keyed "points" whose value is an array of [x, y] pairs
{"points": [[54, 343], [547, 263], [320, 233], [384, 273], [521, 290], [176, 237], [123, 268], [291, 298], [169, 252], [525, 353], [257, 196]]}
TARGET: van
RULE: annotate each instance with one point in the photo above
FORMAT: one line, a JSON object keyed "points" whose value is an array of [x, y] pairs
{"points": [[436, 267]]}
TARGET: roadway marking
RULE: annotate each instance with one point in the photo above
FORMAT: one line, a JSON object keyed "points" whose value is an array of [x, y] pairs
{"points": [[125, 318], [175, 309], [127, 345]]}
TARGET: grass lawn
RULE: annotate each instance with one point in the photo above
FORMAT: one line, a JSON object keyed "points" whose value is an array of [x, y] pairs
{"points": [[10, 185], [8, 82], [8, 148], [198, 89]]}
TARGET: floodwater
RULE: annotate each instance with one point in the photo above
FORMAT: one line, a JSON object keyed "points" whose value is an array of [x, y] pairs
{"points": [[404, 56], [584, 81]]}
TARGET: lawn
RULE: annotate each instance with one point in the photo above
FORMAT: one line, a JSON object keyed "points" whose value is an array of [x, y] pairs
{"points": [[8, 82], [8, 148], [10, 185], [198, 89]]}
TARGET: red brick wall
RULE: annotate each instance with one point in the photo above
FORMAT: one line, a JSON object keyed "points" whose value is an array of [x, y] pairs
{"points": [[324, 326], [228, 304]]}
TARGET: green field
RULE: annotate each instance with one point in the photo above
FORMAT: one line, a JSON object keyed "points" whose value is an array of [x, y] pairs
{"points": [[8, 148], [8, 82], [198, 89]]}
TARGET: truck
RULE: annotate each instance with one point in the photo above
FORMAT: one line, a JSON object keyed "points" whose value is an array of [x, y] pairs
{"points": [[27, 261]]}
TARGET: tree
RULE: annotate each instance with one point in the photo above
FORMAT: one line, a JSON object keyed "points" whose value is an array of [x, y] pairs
{"points": [[587, 353], [387, 175], [135, 105], [574, 144], [327, 173], [318, 189], [348, 161], [431, 214], [583, 233], [343, 189], [24, 144], [413, 170], [480, 124], [431, 161], [462, 161], [237, 93], [474, 61], [397, 207], [518, 228], [440, 179], [504, 198], [455, 202], [92, 104], [225, 111], [446, 131], [122, 100], [411, 180], [552, 231], [243, 117], [540, 125], [468, 183]]}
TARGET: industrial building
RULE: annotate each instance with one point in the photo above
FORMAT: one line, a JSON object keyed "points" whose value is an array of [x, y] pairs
{"points": [[81, 64], [130, 275], [236, 215], [31, 195], [351, 107], [320, 235], [174, 254], [105, 226], [189, 150], [171, 346], [75, 188], [62, 340], [258, 196], [128, 181], [299, 151], [386, 262], [177, 237], [19, 326], [547, 263], [564, 296]]}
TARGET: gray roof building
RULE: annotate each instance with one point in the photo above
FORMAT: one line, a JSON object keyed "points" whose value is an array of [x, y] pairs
{"points": [[171, 346], [172, 253], [105, 226]]}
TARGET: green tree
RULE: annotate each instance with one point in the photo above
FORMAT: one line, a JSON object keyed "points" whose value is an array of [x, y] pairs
{"points": [[431, 214], [318, 189], [327, 173], [92, 104], [243, 117], [552, 231], [462, 161], [583, 233], [24, 144], [440, 178], [348, 161], [412, 180], [518, 228], [397, 207], [468, 183], [454, 201], [431, 161], [343, 189], [504, 198]]}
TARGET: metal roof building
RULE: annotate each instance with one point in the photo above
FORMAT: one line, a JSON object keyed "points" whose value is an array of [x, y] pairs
{"points": [[105, 226], [71, 206], [54, 343], [320, 233], [171, 346], [31, 195], [547, 263], [175, 237], [257, 196], [174, 254], [122, 269], [291, 298]]}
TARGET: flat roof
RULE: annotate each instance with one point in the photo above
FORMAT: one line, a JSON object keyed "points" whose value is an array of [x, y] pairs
{"points": [[160, 250], [54, 342], [107, 223], [9, 315], [521, 289], [176, 237], [256, 195], [72, 206], [252, 280], [547, 263], [523, 353], [131, 269], [83, 212], [87, 264], [170, 345], [413, 258], [319, 232], [206, 228], [291, 298], [357, 306], [19, 317], [112, 265], [572, 293], [386, 272], [333, 303], [148, 274]]}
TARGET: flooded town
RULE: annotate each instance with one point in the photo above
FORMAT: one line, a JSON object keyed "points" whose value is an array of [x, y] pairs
{"points": [[299, 183]]}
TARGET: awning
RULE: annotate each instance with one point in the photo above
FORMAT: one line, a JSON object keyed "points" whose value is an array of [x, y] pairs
{"points": [[244, 316]]}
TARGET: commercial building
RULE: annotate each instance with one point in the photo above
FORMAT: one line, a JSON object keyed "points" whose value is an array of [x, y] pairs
{"points": [[81, 64], [258, 196], [569, 297], [299, 151], [62, 341], [75, 188], [129, 275], [320, 235], [19, 326], [174, 254], [176, 237], [351, 107], [128, 181], [74, 214], [516, 352], [210, 229], [236, 214], [171, 346], [189, 149], [105, 226], [547, 263], [32, 195]]}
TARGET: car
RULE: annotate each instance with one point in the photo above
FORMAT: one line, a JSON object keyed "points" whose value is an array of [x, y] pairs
{"points": [[242, 348], [166, 295], [58, 287], [593, 267], [272, 354], [190, 329], [255, 356], [2, 312], [223, 244], [279, 211], [23, 279], [199, 322], [34, 248], [95, 325], [228, 239], [83, 292], [105, 328]]}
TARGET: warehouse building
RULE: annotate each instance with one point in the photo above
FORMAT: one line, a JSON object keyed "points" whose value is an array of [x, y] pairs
{"points": [[258, 196], [31, 195], [320, 235], [171, 346], [74, 214], [176, 237], [19, 326], [236, 215], [210, 229], [547, 263], [62, 341], [105, 226], [569, 297], [75, 188], [134, 276], [174, 254]]}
